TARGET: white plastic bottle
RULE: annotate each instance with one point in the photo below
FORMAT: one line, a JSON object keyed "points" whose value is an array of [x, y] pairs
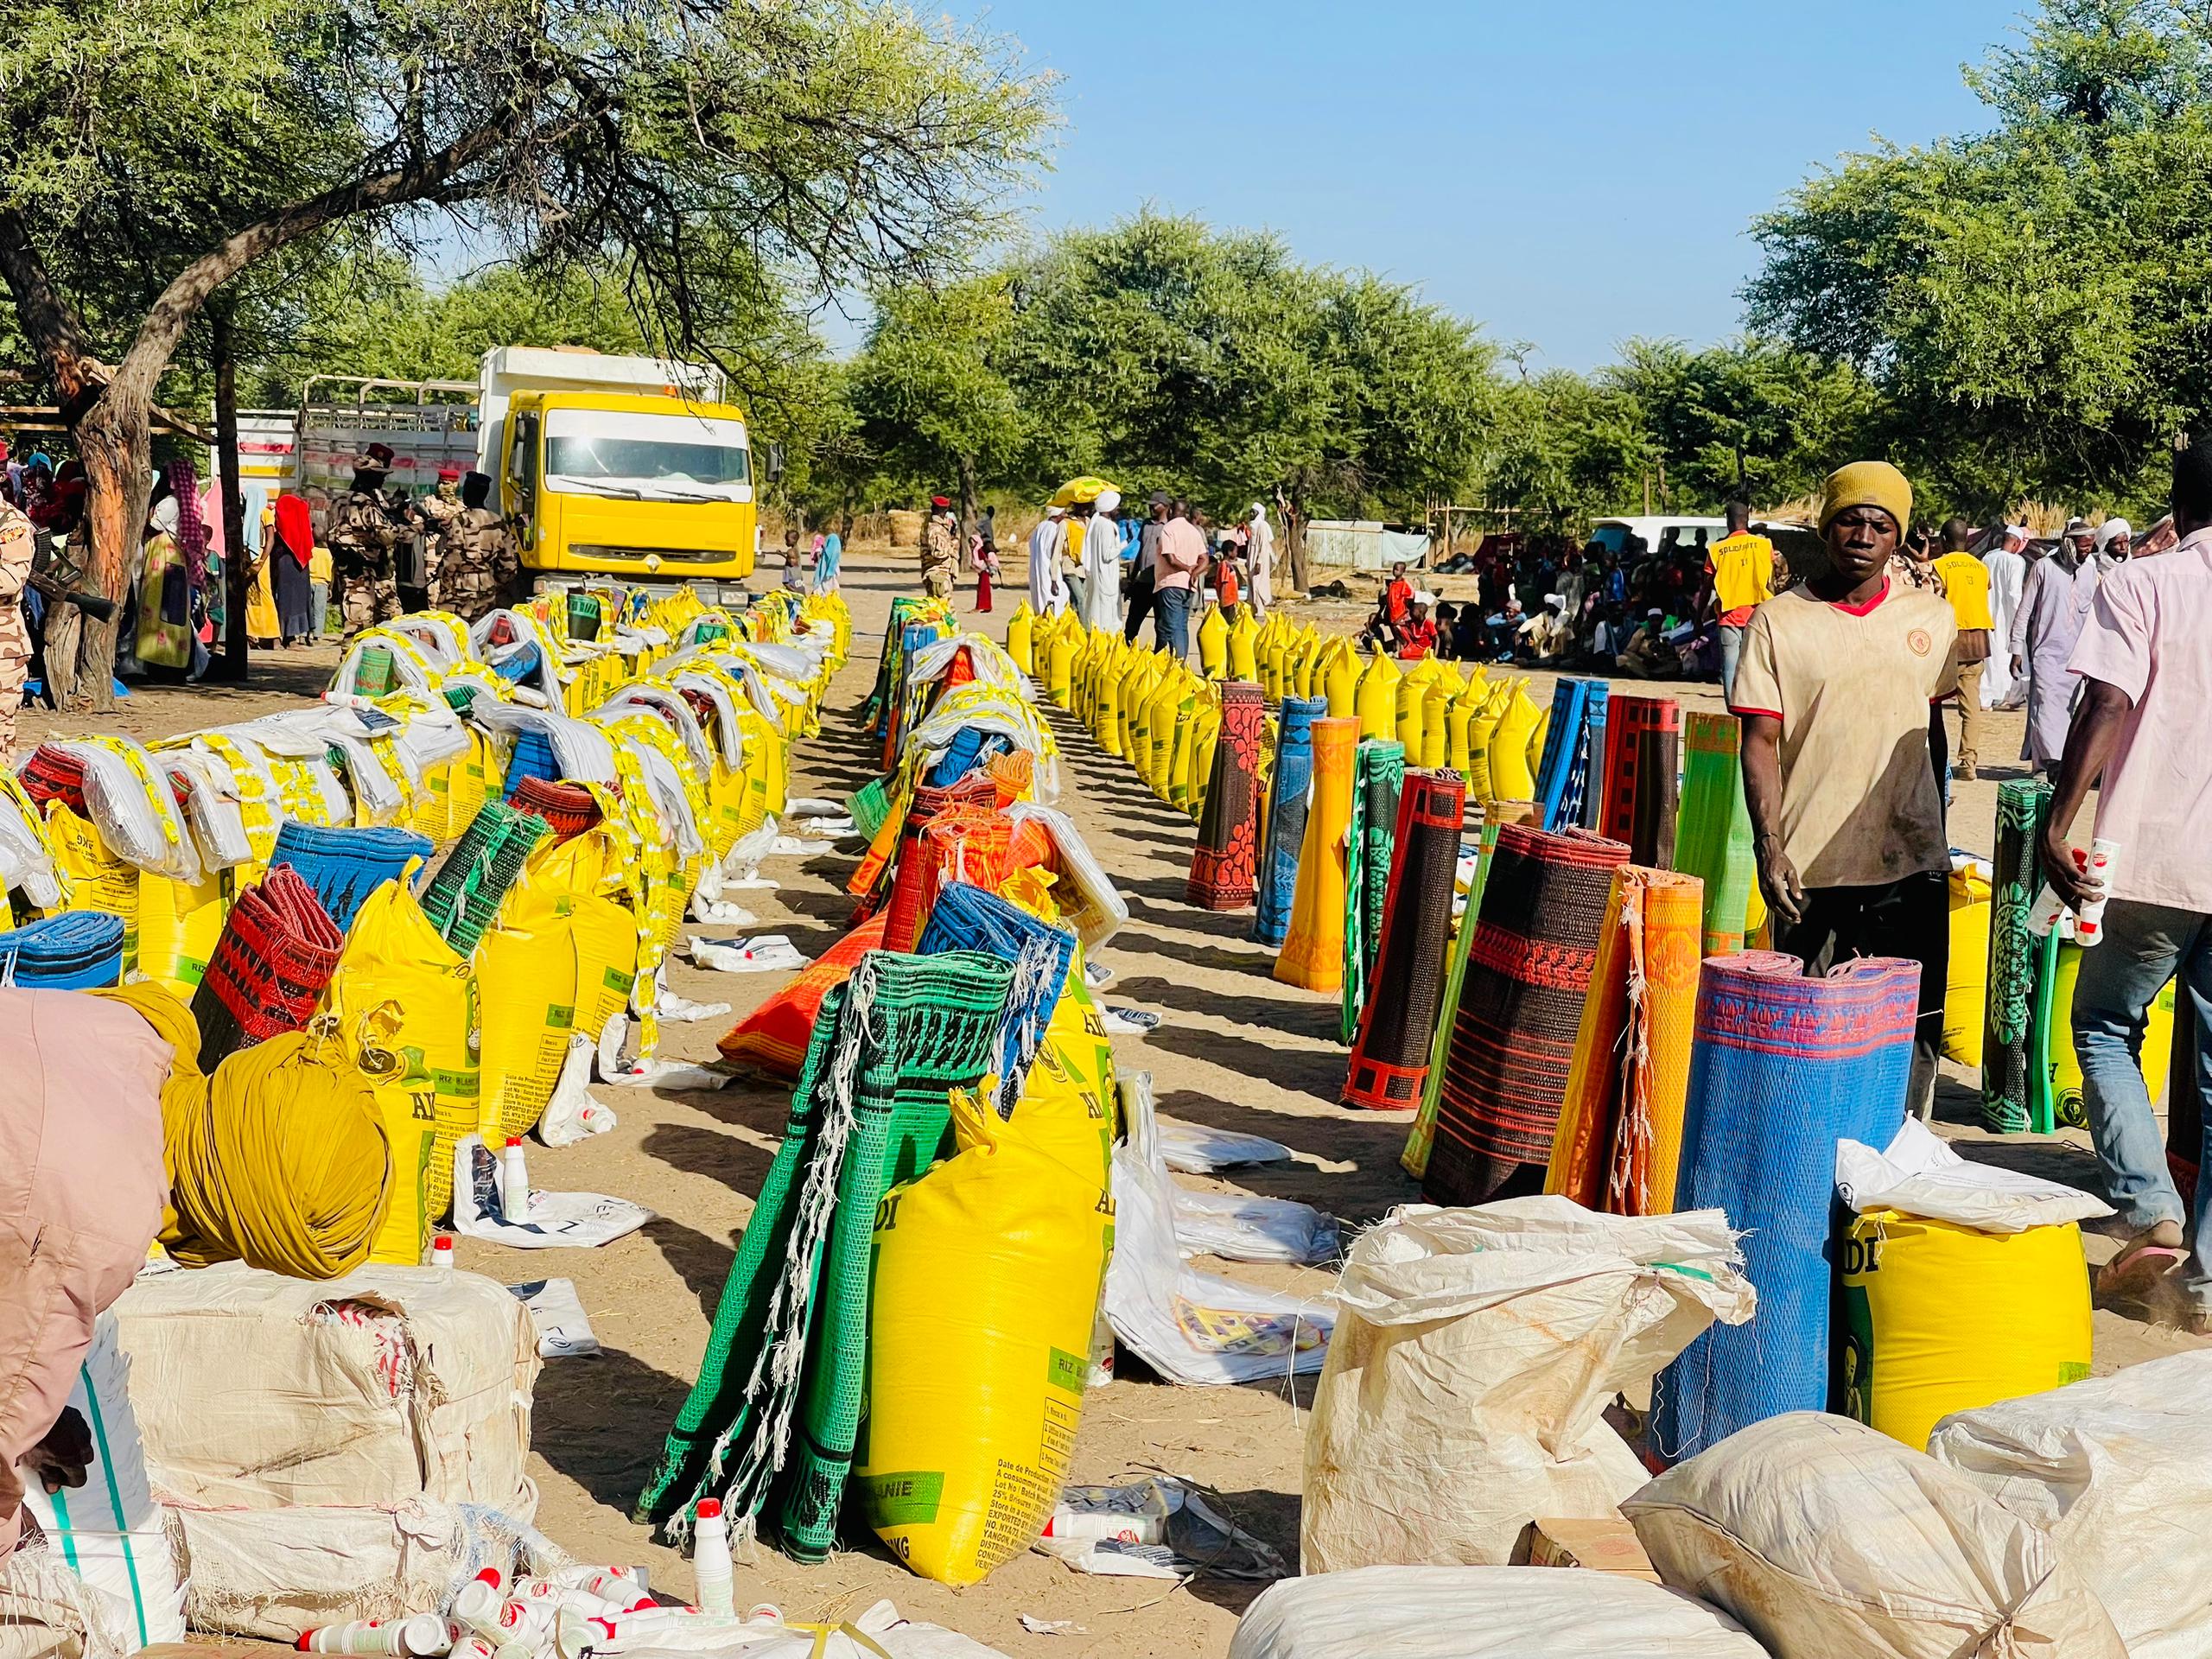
{"points": [[441, 1250], [715, 1578], [2104, 860], [514, 1183], [477, 1604]]}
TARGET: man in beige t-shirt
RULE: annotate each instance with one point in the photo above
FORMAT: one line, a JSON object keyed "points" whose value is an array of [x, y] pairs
{"points": [[1834, 689]]}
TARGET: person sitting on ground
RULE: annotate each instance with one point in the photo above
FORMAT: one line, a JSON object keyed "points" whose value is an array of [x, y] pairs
{"points": [[1547, 632], [1834, 689], [1648, 656], [1417, 634]]}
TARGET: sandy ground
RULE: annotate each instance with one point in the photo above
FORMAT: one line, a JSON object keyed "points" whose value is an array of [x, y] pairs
{"points": [[1235, 1050]]}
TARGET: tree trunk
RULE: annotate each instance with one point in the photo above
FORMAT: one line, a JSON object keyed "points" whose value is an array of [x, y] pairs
{"points": [[967, 466], [237, 578], [114, 440]]}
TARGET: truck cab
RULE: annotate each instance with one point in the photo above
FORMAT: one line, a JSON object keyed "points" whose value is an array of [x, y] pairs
{"points": [[630, 467]]}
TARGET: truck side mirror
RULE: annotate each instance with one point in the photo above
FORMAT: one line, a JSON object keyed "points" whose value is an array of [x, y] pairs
{"points": [[775, 461]]}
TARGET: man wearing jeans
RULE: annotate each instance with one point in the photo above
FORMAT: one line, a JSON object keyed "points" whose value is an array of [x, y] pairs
{"points": [[1182, 550], [1742, 566], [2144, 661]]}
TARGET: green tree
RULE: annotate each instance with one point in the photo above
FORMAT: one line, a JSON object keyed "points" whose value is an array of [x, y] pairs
{"points": [[1214, 365], [160, 150], [2034, 303], [932, 405]]}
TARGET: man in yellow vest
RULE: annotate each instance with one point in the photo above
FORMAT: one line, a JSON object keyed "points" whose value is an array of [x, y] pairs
{"points": [[1742, 566], [1966, 584]]}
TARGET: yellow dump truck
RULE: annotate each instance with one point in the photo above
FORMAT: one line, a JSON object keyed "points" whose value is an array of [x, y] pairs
{"points": [[627, 466]]}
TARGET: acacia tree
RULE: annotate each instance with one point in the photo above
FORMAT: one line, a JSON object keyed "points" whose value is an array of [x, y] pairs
{"points": [[159, 149]]}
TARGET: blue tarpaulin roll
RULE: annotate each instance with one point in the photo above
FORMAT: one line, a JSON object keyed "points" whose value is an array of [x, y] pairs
{"points": [[1783, 1067], [1286, 825]]}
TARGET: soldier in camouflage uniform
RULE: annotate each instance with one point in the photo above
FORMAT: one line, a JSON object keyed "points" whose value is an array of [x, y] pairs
{"points": [[361, 537], [17, 544], [478, 567]]}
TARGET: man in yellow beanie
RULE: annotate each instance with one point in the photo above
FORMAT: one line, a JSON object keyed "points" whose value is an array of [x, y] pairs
{"points": [[1833, 690]]}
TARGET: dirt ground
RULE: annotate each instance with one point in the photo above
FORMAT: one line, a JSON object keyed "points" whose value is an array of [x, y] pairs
{"points": [[1235, 1049]]}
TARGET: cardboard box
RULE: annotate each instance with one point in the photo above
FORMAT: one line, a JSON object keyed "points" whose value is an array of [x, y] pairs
{"points": [[1604, 1546]]}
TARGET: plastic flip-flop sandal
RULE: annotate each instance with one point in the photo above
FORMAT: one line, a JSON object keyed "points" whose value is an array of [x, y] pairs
{"points": [[2136, 1269]]}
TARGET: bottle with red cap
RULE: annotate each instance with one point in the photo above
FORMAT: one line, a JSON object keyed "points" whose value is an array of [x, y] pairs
{"points": [[514, 1184], [441, 1250], [712, 1575]]}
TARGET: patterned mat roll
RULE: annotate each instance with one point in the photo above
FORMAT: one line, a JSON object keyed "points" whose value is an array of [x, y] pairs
{"points": [[1520, 1008], [2015, 957], [1712, 839], [74, 950], [269, 969], [1620, 1128], [345, 866], [1390, 1061], [568, 809], [1313, 954], [1224, 862], [1286, 825], [1643, 739], [1785, 1066], [1378, 775]]}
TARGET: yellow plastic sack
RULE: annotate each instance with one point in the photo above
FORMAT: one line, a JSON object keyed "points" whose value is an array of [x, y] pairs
{"points": [[1213, 644], [1940, 1318], [178, 926], [92, 877], [407, 1011], [526, 988], [2156, 1059], [1377, 700], [1019, 629], [988, 1269], [1068, 1102], [1966, 992], [1510, 778]]}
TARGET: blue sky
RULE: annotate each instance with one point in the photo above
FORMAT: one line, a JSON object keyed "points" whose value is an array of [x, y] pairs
{"points": [[1568, 175]]}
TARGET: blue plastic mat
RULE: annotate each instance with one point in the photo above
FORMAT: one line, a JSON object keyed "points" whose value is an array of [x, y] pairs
{"points": [[966, 918], [1286, 821], [76, 951], [532, 757], [959, 757], [1782, 1068], [345, 866], [1566, 744]]}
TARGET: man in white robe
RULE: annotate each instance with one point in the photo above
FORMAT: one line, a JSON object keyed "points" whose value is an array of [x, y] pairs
{"points": [[1261, 550], [1101, 566], [2008, 572], [1048, 594]]}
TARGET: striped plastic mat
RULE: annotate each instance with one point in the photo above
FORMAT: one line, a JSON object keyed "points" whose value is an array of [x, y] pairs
{"points": [[1785, 1066], [345, 866], [76, 951]]}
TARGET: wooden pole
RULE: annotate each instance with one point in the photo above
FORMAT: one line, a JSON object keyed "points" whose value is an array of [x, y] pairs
{"points": [[236, 577]]}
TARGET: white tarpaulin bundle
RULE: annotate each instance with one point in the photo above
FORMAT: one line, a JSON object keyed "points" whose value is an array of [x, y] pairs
{"points": [[2117, 1470], [1474, 1355], [1831, 1540], [1484, 1612], [389, 1417]]}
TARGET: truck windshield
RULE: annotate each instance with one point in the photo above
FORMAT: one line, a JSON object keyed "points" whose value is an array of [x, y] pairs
{"points": [[646, 457]]}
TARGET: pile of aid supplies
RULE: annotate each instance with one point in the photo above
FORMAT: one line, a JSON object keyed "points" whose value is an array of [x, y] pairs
{"points": [[334, 963]]}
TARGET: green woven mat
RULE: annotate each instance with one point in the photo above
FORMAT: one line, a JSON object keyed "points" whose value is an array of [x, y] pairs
{"points": [[1712, 828], [584, 613], [463, 894], [1378, 775], [791, 1335], [461, 698], [869, 804], [2015, 959]]}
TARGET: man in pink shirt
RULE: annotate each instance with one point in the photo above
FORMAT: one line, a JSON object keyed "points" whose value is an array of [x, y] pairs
{"points": [[2145, 660], [1182, 550]]}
